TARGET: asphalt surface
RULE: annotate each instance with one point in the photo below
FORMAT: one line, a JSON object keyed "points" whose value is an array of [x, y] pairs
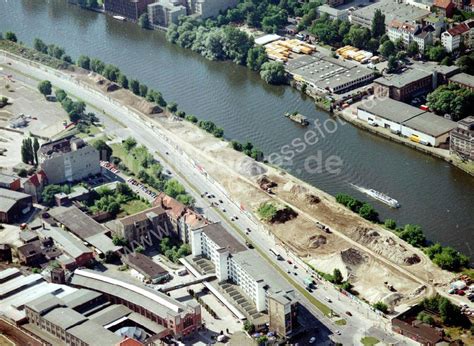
{"points": [[363, 322]]}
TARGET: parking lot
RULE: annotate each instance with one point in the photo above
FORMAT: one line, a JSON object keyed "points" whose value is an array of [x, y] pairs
{"points": [[44, 118]]}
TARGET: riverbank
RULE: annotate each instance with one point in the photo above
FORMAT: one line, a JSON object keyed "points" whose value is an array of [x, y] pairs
{"points": [[225, 165], [355, 245], [349, 115]]}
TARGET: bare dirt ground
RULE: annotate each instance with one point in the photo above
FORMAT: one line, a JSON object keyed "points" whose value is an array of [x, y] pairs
{"points": [[367, 253]]}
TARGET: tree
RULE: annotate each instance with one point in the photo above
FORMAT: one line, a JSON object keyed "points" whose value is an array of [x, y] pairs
{"points": [[84, 62], [11, 36], [113, 208], [123, 81], [358, 36], [381, 307], [143, 90], [67, 58], [337, 276], [390, 224], [413, 49], [104, 149], [450, 259], [172, 107], [97, 66], [249, 327], [425, 318], [256, 57], [129, 144], [58, 52], [368, 212], [139, 249], [144, 21], [135, 86], [451, 99], [373, 45], [40, 46], [387, 49], [27, 154], [450, 313], [48, 193], [35, 150], [392, 64], [273, 73], [466, 63], [436, 53], [378, 24], [413, 235], [111, 72], [45, 87]]}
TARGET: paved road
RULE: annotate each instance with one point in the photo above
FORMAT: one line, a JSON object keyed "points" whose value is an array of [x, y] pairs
{"points": [[197, 182]]}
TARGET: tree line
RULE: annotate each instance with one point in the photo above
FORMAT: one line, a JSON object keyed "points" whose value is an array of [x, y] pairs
{"points": [[29, 151], [444, 257], [226, 42]]}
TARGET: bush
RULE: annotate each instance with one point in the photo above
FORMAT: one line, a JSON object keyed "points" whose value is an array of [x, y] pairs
{"points": [[413, 235], [390, 224], [267, 211], [381, 307]]}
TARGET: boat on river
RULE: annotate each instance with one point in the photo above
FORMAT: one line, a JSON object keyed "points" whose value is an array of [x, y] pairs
{"points": [[297, 118], [122, 19], [391, 202]]}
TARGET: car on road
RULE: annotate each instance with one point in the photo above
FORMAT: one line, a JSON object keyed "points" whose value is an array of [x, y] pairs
{"points": [[221, 201], [295, 273], [249, 230], [224, 211], [348, 313], [328, 299], [337, 332], [236, 217]]}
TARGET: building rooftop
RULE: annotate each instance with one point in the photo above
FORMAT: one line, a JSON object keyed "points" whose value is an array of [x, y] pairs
{"points": [[284, 297], [330, 10], [442, 3], [257, 268], [431, 124], [94, 334], [7, 179], [30, 249], [144, 265], [8, 198], [392, 10], [139, 295], [71, 245], [102, 243], [45, 303], [28, 236], [141, 216], [65, 318], [61, 146], [80, 297], [403, 79], [463, 78], [110, 314], [432, 66], [8, 274], [392, 110], [219, 235], [77, 221]]}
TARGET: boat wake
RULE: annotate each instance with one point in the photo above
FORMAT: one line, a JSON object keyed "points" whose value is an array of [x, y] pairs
{"points": [[391, 202]]}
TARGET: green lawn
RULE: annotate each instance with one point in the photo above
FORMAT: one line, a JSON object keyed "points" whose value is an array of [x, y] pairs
{"points": [[369, 341], [341, 322], [133, 207]]}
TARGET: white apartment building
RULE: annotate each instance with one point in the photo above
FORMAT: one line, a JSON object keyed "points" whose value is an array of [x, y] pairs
{"points": [[209, 8], [408, 33], [464, 32], [234, 262]]}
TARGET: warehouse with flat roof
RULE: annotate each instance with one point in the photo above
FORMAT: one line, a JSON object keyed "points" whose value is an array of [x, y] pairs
{"points": [[408, 121]]}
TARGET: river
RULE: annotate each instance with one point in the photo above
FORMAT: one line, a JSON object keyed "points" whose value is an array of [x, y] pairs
{"points": [[432, 193]]}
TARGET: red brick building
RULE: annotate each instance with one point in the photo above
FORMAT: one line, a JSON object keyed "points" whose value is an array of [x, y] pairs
{"points": [[130, 9], [445, 7]]}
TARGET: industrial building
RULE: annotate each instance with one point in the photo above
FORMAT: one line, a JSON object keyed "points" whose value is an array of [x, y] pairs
{"points": [[325, 75], [464, 80], [68, 160], [392, 9], [408, 121], [14, 205], [84, 227], [10, 182], [235, 263], [180, 319], [404, 86], [462, 139], [143, 268]]}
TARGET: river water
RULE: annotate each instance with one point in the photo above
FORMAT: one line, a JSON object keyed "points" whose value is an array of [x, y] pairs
{"points": [[432, 193]]}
